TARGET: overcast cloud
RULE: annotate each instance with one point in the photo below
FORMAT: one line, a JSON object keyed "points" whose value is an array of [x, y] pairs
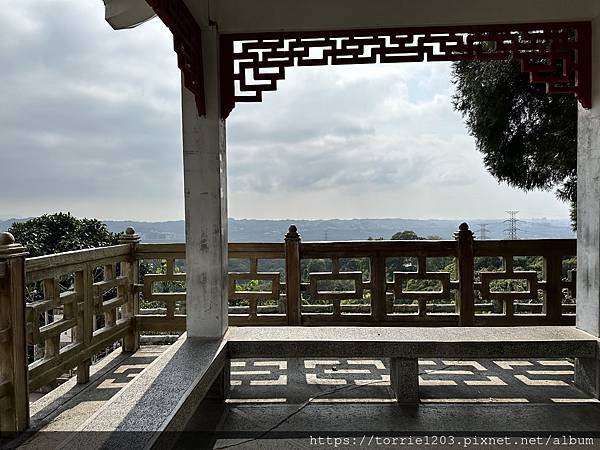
{"points": [[91, 124]]}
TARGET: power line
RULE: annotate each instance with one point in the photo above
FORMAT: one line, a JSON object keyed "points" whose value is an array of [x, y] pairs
{"points": [[512, 230]]}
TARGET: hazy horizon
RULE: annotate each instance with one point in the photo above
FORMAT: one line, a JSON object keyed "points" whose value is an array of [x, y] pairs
{"points": [[104, 219]]}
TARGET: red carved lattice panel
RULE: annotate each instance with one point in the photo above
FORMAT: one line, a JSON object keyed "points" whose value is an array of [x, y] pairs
{"points": [[558, 55], [187, 43]]}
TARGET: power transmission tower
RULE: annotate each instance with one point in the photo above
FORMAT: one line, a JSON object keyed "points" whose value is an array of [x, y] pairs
{"points": [[483, 231], [511, 231]]}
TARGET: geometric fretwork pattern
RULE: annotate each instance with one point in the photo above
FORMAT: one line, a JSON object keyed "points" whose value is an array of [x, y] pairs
{"points": [[505, 296], [555, 54], [401, 277], [355, 277], [253, 297], [170, 299], [336, 296], [530, 277]]}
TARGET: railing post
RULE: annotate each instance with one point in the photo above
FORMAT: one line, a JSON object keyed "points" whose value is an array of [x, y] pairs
{"points": [[84, 281], [553, 277], [131, 341], [378, 288], [466, 275], [292, 276], [14, 412]]}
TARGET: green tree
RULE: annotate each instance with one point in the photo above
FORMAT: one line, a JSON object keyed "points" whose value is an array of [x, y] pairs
{"points": [[407, 235], [528, 138], [61, 232]]}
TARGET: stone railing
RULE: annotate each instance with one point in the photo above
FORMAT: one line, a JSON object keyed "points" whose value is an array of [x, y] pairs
{"points": [[78, 304], [62, 310], [57, 313], [435, 283]]}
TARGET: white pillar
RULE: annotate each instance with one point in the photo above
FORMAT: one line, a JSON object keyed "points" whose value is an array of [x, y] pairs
{"points": [[205, 181], [588, 203], [587, 370]]}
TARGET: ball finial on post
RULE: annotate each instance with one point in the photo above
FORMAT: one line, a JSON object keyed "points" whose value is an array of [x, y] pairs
{"points": [[9, 247], [129, 237], [292, 232], [6, 238], [463, 232]]}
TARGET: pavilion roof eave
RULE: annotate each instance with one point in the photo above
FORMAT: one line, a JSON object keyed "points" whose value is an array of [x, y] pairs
{"points": [[256, 16]]}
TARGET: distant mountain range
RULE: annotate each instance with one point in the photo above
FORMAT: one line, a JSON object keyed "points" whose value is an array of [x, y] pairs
{"points": [[254, 230]]}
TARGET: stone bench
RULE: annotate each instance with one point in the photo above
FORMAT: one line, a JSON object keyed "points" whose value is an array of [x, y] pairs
{"points": [[404, 346]]}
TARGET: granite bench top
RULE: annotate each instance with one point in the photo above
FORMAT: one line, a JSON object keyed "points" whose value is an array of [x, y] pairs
{"points": [[410, 342]]}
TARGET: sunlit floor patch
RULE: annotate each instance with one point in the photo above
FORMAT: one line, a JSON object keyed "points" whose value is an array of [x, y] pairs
{"points": [[440, 380], [474, 400]]}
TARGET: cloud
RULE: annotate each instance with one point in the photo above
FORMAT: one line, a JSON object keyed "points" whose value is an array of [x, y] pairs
{"points": [[337, 128], [90, 114], [91, 123]]}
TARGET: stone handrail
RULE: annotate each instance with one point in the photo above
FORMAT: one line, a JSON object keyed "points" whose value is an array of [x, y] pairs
{"points": [[289, 292]]}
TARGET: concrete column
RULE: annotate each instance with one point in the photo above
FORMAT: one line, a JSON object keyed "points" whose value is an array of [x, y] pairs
{"points": [[205, 181], [587, 371], [588, 203]]}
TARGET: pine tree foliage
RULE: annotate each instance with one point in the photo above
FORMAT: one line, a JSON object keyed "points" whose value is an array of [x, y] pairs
{"points": [[528, 138]]}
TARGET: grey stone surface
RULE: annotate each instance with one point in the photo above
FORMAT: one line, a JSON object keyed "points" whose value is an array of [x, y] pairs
{"points": [[408, 342], [170, 389], [404, 380], [482, 396], [161, 398], [63, 410], [220, 388], [356, 421], [588, 203], [587, 375], [47, 408]]}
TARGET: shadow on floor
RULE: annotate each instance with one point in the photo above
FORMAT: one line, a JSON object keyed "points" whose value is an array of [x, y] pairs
{"points": [[285, 403]]}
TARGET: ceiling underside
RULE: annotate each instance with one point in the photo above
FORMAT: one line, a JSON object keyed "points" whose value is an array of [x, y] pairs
{"points": [[247, 16]]}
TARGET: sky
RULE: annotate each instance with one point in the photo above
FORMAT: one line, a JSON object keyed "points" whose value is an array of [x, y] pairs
{"points": [[91, 124]]}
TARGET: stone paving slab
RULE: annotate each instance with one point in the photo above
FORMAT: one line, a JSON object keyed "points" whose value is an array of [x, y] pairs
{"points": [[63, 410], [281, 403], [356, 421]]}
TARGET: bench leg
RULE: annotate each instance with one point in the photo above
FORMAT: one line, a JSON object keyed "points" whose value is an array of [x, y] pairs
{"points": [[587, 375], [220, 388], [404, 379]]}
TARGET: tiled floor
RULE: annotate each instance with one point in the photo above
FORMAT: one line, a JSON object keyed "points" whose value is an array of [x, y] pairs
{"points": [[283, 403], [443, 381]]}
